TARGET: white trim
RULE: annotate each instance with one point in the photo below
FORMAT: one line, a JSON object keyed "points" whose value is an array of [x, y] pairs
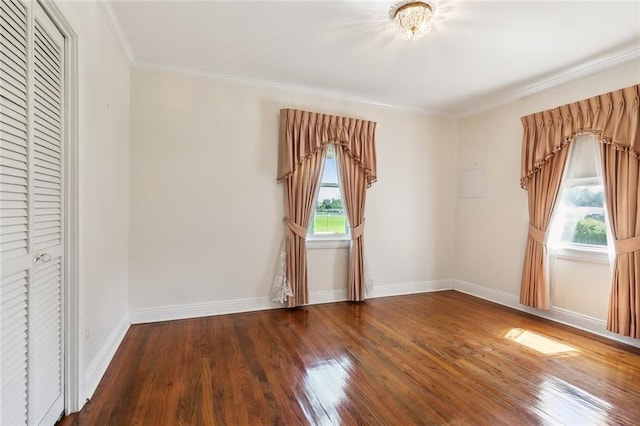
{"points": [[196, 310], [410, 288], [99, 365], [120, 35], [314, 243], [560, 315], [328, 296], [579, 254], [174, 312], [73, 346], [216, 76], [594, 66], [607, 61], [585, 69]]}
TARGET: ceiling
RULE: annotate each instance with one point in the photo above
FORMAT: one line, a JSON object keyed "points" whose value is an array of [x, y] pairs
{"points": [[478, 53]]}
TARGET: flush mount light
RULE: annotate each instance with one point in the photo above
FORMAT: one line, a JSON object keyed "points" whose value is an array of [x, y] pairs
{"points": [[412, 20]]}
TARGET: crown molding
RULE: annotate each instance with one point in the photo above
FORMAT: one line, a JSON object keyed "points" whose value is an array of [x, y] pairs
{"points": [[478, 105], [209, 75], [487, 102], [585, 69], [113, 22]]}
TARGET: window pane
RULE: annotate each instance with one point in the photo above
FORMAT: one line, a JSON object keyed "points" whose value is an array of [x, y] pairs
{"points": [[579, 218], [583, 215], [329, 223], [329, 217], [330, 172]]}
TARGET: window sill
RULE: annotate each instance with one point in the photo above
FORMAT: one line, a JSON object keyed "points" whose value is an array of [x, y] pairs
{"points": [[328, 242], [582, 254]]}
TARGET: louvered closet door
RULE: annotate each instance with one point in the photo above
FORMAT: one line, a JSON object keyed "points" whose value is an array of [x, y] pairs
{"points": [[31, 215], [14, 212], [45, 296]]}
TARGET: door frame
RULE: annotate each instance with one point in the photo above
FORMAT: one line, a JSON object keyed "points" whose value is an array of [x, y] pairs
{"points": [[72, 295]]}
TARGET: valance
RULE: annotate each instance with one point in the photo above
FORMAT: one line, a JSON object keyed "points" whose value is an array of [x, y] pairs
{"points": [[303, 133], [613, 117]]}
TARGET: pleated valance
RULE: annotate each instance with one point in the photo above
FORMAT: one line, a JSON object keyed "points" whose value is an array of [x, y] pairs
{"points": [[613, 117], [303, 133]]}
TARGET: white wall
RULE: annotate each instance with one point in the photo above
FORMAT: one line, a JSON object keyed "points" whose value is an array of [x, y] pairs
{"points": [[206, 211], [103, 150], [491, 231]]}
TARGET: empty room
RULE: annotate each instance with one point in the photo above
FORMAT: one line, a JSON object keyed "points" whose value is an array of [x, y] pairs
{"points": [[319, 212]]}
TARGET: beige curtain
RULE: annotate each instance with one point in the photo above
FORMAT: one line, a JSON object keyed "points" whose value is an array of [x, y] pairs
{"points": [[303, 133], [613, 117], [354, 191], [304, 137], [301, 189], [622, 191], [543, 190]]}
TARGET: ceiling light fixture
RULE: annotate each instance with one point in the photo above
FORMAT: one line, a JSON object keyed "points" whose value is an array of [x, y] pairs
{"points": [[412, 20]]}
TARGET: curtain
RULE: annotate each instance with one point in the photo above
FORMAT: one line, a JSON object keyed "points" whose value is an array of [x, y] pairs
{"points": [[543, 190], [622, 191], [304, 137], [354, 191], [303, 133], [300, 192], [613, 118]]}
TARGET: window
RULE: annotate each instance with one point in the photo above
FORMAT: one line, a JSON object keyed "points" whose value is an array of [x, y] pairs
{"points": [[579, 221], [329, 218]]}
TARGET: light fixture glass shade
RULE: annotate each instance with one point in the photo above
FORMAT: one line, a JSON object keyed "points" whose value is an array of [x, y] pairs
{"points": [[412, 20]]}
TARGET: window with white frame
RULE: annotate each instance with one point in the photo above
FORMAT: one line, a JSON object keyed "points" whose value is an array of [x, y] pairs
{"points": [[579, 220], [329, 218]]}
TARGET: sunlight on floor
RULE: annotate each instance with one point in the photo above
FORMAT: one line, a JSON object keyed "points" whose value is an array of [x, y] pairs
{"points": [[539, 342]]}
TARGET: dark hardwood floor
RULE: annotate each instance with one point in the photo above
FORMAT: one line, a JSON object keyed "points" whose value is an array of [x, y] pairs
{"points": [[436, 358]]}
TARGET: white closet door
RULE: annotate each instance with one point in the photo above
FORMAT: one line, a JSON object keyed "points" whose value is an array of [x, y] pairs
{"points": [[31, 214], [14, 212], [46, 277]]}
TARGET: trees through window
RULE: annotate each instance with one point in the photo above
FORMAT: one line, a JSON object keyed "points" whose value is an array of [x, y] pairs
{"points": [[580, 220]]}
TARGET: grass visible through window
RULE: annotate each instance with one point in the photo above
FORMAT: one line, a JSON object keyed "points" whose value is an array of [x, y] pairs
{"points": [[329, 224]]}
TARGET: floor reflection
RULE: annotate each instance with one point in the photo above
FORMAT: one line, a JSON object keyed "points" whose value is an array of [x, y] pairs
{"points": [[560, 402], [540, 343], [324, 390]]}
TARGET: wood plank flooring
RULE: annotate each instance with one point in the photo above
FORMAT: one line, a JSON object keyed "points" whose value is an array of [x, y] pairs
{"points": [[436, 358]]}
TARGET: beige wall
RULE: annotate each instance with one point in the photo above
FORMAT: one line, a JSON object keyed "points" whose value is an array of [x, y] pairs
{"points": [[189, 212], [491, 231], [206, 211], [103, 149], [581, 286]]}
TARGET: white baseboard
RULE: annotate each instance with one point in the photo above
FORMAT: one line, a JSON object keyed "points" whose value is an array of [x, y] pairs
{"points": [[174, 312], [328, 296], [97, 368], [410, 288], [563, 316], [560, 315], [196, 310]]}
